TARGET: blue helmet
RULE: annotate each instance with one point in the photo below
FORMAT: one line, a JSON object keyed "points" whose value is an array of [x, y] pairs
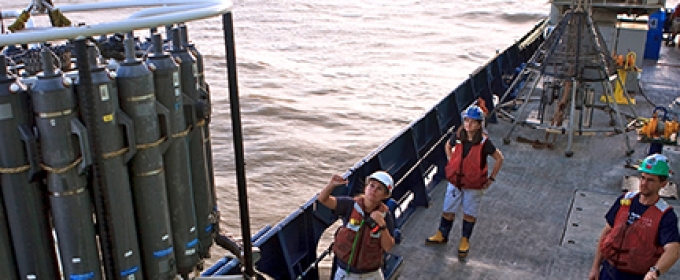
{"points": [[474, 112]]}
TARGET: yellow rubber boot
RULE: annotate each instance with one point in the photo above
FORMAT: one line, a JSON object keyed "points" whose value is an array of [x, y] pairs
{"points": [[463, 247], [437, 238]]}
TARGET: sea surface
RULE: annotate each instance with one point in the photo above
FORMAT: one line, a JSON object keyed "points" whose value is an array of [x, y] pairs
{"points": [[323, 83]]}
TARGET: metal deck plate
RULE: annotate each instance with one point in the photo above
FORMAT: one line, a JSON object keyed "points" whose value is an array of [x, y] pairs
{"points": [[583, 226]]}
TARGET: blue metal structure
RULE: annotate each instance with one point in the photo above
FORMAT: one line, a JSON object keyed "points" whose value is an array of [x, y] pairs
{"points": [[288, 249], [655, 34]]}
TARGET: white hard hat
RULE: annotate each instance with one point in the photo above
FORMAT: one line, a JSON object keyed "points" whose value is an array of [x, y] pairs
{"points": [[384, 178]]}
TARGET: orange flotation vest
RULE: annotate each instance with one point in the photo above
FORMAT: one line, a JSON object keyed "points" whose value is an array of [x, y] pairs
{"points": [[368, 252], [467, 172], [633, 248]]}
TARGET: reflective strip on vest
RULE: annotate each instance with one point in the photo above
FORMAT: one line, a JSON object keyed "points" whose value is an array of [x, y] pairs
{"points": [[630, 195], [355, 226]]}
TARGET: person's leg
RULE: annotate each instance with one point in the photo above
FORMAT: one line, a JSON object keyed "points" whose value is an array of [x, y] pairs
{"points": [[452, 202], [471, 202]]}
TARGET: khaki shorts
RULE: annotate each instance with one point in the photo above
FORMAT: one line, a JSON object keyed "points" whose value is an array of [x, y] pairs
{"points": [[468, 199]]}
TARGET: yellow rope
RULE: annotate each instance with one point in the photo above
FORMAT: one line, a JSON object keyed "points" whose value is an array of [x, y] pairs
{"points": [[152, 144], [68, 193], [14, 170], [200, 123], [114, 154], [61, 170], [183, 133]]}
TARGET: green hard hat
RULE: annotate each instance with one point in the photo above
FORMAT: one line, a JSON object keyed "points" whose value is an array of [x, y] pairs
{"points": [[655, 164]]}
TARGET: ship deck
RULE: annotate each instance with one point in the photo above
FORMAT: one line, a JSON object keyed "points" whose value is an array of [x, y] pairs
{"points": [[542, 217]]}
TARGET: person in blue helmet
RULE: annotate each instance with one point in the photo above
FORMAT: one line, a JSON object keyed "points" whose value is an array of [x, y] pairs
{"points": [[468, 176], [640, 239]]}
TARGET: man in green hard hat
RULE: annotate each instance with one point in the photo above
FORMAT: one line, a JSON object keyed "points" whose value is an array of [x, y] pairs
{"points": [[640, 239]]}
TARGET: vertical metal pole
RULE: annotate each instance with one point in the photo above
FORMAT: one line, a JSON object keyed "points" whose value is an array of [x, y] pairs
{"points": [[228, 27], [572, 107]]}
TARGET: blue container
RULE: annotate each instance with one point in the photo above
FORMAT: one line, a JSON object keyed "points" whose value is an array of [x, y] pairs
{"points": [[655, 34]]}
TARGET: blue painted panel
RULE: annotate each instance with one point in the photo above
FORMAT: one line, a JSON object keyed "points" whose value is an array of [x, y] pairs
{"points": [[397, 158], [296, 250], [447, 113], [290, 246], [480, 81], [464, 95], [426, 131], [391, 267], [271, 261], [400, 152], [507, 64], [513, 56], [493, 69]]}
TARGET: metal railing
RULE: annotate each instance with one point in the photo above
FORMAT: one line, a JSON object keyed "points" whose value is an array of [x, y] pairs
{"points": [[158, 13]]}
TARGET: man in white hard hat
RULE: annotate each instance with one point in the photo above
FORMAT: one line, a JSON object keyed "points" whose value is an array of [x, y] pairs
{"points": [[366, 234]]}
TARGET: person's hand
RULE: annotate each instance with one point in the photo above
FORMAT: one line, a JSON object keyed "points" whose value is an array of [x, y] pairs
{"points": [[651, 276], [377, 216], [594, 273], [337, 180], [486, 186]]}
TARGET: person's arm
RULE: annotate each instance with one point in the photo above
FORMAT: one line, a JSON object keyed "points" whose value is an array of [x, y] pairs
{"points": [[595, 268], [325, 196], [670, 255], [498, 162], [448, 149], [386, 239]]}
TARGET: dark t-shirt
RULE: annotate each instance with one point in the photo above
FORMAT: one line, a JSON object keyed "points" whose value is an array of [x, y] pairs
{"points": [[487, 150], [668, 231]]}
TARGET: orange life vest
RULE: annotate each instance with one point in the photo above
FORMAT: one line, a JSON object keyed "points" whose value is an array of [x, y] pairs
{"points": [[633, 248], [368, 252], [467, 172]]}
